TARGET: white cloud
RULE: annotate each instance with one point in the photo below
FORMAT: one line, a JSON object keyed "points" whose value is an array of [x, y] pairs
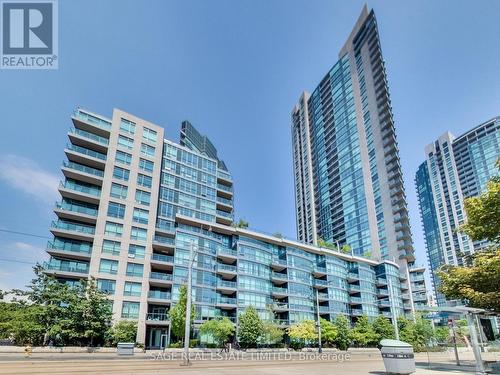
{"points": [[25, 175]]}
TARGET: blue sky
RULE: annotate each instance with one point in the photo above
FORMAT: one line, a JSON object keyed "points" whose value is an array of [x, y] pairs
{"points": [[235, 70]]}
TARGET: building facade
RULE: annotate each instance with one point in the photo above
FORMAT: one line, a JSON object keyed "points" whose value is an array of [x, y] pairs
{"points": [[348, 180], [455, 169], [134, 205]]}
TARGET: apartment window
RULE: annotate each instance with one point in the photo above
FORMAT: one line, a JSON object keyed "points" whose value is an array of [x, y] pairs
{"points": [[138, 234], [132, 289], [108, 266], [113, 229], [134, 269], [106, 286], [123, 157], [149, 135], [116, 210], [140, 216], [144, 180], [127, 126], [147, 150], [121, 173], [146, 165], [137, 251], [111, 247], [142, 197], [130, 310], [118, 191], [125, 142]]}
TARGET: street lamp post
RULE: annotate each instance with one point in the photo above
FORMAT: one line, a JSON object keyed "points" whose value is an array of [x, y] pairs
{"points": [[187, 327]]}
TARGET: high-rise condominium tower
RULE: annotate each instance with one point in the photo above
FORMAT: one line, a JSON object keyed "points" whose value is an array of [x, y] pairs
{"points": [[348, 180], [455, 169]]}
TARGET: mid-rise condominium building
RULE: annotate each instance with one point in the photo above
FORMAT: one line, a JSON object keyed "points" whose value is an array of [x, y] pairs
{"points": [[454, 169], [348, 180], [134, 205]]}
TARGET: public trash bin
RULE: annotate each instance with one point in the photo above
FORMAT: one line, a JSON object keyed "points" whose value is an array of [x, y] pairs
{"points": [[398, 357], [125, 348]]}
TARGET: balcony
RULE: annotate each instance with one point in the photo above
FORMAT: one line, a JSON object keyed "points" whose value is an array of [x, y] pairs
{"points": [[278, 264], [357, 312], [319, 271], [87, 139], [280, 306], [384, 303], [279, 277], [226, 285], [279, 291], [66, 268], [160, 278], [226, 269], [320, 283], [160, 242], [224, 217], [75, 231], [355, 301], [353, 288], [223, 300], [405, 296], [85, 193], [224, 204], [323, 296], [224, 176], [224, 191], [352, 277], [82, 172], [72, 211], [158, 295], [85, 156], [165, 227], [381, 281], [92, 123], [225, 252], [81, 251], [157, 318], [382, 292]]}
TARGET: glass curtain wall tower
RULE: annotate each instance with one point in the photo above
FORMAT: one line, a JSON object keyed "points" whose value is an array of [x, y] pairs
{"points": [[348, 180], [455, 169]]}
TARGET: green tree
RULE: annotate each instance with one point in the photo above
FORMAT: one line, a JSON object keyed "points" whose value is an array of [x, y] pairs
{"points": [[383, 328], [344, 337], [220, 329], [250, 328], [178, 314], [21, 322], [417, 333], [328, 332], [272, 334], [304, 331], [346, 249], [242, 223], [442, 334], [363, 333], [124, 331], [477, 284]]}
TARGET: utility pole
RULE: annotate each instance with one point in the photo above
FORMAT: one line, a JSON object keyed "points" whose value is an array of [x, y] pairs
{"points": [[320, 350], [187, 327]]}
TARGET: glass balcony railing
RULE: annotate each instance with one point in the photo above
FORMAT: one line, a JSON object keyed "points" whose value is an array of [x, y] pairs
{"points": [[83, 168], [353, 275], [86, 151], [70, 247], [89, 135], [357, 312], [67, 267], [87, 229], [158, 294], [76, 208], [81, 188], [224, 188], [280, 290], [224, 174], [165, 226], [226, 267], [226, 300], [164, 240], [279, 261], [226, 283], [225, 201], [321, 282], [227, 251], [384, 303], [381, 281], [160, 276], [227, 215], [323, 295], [157, 317], [79, 114], [280, 322], [355, 300], [280, 305], [280, 276], [163, 258], [354, 288], [319, 269], [324, 309]]}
